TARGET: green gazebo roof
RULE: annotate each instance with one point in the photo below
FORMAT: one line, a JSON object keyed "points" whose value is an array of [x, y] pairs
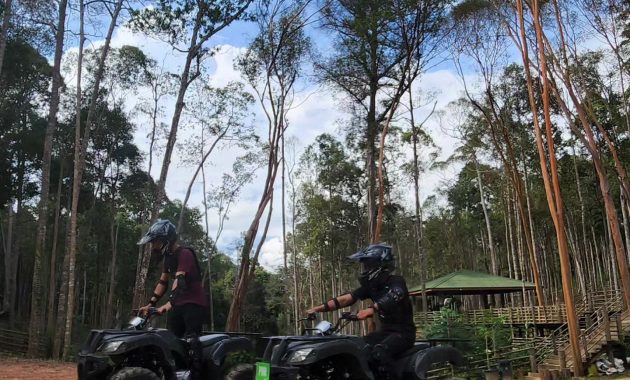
{"points": [[468, 282]]}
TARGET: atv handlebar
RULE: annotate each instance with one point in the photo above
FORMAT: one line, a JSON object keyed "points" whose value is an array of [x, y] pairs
{"points": [[345, 316], [140, 321], [150, 312]]}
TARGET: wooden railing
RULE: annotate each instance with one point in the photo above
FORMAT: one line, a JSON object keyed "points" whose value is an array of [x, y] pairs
{"points": [[597, 313], [552, 314], [519, 354], [16, 342]]}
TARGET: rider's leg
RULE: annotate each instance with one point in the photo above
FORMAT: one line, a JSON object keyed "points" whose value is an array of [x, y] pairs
{"points": [[391, 344], [194, 315], [175, 321]]}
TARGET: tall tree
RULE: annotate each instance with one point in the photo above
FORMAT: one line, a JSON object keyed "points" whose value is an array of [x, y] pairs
{"points": [[420, 28], [272, 65], [374, 39], [481, 37], [550, 169], [171, 20], [6, 18], [82, 140], [220, 112], [36, 321], [26, 77]]}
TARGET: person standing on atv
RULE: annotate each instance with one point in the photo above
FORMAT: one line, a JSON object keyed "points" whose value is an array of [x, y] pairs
{"points": [[391, 303], [187, 304]]}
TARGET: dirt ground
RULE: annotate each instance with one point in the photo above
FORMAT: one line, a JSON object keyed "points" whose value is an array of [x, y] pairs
{"points": [[12, 368], [28, 369]]}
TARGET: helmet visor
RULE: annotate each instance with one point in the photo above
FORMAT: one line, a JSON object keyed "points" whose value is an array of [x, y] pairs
{"points": [[369, 265], [146, 239]]}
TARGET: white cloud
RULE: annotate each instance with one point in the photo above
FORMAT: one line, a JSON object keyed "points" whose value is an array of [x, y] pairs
{"points": [[315, 111], [271, 254]]}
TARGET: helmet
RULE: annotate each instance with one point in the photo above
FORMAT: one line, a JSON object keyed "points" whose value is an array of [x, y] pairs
{"points": [[375, 260], [162, 230]]}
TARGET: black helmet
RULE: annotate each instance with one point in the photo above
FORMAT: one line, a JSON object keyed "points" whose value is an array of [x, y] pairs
{"points": [[375, 260], [163, 230]]}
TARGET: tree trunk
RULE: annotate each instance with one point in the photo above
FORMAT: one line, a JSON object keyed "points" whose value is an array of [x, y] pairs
{"points": [[112, 274], [493, 255], [248, 264], [509, 160], [180, 223], [417, 222], [185, 80], [626, 226], [591, 145], [6, 18], [52, 280], [284, 215], [296, 293], [35, 323], [205, 214], [554, 196], [10, 267], [81, 144], [83, 303]]}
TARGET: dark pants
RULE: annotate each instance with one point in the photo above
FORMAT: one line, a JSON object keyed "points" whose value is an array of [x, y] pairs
{"points": [[387, 344], [186, 320]]}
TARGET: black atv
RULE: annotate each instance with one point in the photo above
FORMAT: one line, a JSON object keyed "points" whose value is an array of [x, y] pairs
{"points": [[322, 353], [141, 352]]}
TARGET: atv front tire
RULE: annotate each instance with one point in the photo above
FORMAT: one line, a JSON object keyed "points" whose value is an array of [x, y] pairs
{"points": [[241, 372], [135, 373]]}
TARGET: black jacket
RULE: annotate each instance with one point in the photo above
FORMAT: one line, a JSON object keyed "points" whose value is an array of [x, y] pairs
{"points": [[394, 305]]}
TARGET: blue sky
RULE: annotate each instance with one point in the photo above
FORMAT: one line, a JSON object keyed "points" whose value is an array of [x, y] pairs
{"points": [[321, 111]]}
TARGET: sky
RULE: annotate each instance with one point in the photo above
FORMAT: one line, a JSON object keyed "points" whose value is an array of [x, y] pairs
{"points": [[320, 111]]}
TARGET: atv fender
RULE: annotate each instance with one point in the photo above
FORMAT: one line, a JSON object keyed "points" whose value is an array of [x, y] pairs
{"points": [[435, 355], [219, 350], [164, 356], [340, 348]]}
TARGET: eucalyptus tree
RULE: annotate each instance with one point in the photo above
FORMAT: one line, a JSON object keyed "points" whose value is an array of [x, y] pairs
{"points": [[42, 212], [568, 90], [382, 46], [220, 116], [82, 139], [221, 198], [4, 29], [188, 26], [26, 76], [548, 161], [272, 65], [481, 37]]}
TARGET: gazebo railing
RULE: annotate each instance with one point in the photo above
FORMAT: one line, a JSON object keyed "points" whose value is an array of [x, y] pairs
{"points": [[549, 314]]}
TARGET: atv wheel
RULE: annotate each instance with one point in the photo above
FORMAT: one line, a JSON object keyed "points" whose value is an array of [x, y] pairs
{"points": [[135, 373], [240, 372]]}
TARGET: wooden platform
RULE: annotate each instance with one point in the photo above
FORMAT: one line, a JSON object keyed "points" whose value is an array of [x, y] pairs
{"points": [[537, 315]]}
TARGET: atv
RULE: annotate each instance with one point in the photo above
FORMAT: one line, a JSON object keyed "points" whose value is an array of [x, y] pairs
{"points": [[323, 353], [140, 352]]}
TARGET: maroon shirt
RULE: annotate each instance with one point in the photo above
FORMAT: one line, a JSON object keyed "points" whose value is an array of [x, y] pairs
{"points": [[183, 260]]}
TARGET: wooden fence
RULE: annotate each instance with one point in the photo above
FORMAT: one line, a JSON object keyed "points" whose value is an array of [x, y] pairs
{"points": [[16, 342], [539, 315]]}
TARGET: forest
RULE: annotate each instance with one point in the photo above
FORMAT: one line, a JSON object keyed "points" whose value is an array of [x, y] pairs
{"points": [[101, 136]]}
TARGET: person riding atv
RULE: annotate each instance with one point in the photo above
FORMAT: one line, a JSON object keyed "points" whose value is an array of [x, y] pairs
{"points": [[391, 303], [187, 305]]}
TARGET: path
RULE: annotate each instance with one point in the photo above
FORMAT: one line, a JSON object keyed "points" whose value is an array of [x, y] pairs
{"points": [[12, 368]]}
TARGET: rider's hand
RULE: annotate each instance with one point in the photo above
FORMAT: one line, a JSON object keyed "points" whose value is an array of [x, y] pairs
{"points": [[164, 308], [365, 314], [144, 310], [313, 310]]}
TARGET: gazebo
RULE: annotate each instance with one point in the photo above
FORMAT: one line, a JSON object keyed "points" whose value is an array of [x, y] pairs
{"points": [[468, 282]]}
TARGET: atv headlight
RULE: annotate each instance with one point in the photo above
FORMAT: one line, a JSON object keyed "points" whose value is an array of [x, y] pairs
{"points": [[110, 347], [300, 355]]}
